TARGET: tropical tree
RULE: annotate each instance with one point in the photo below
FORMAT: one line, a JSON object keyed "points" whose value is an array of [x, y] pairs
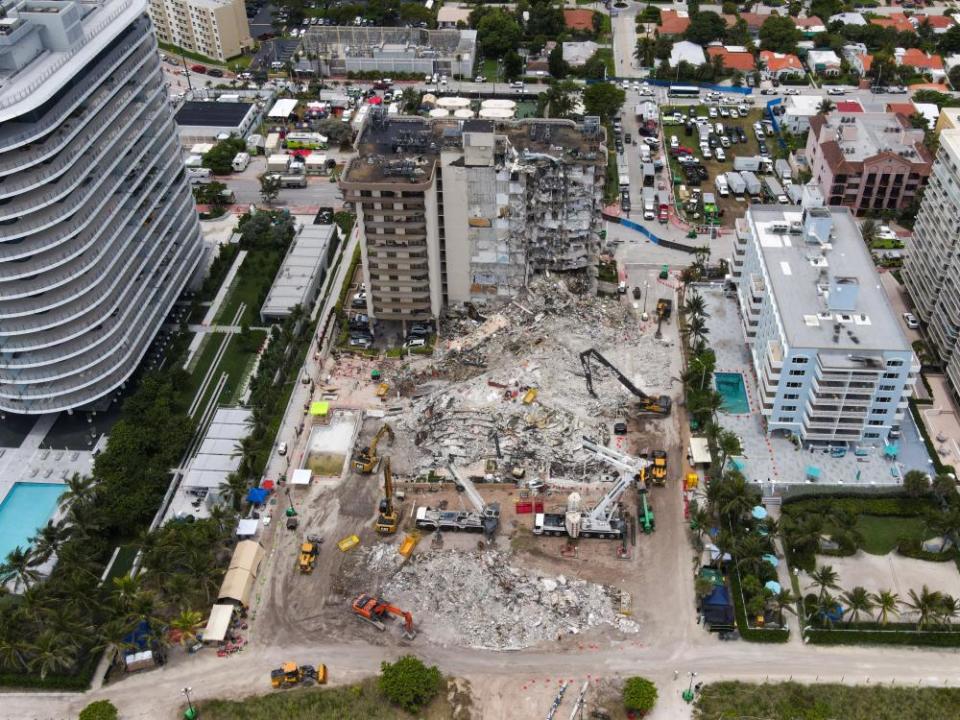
{"points": [[46, 542], [52, 653], [945, 524], [784, 600], [857, 600], [949, 609], [234, 490], [886, 603], [926, 604], [734, 496], [187, 623], [916, 483], [728, 444], [699, 368], [824, 579], [695, 306], [825, 607], [699, 519], [704, 406], [19, 567], [697, 332], [869, 231], [825, 107], [750, 550], [79, 488], [269, 188]]}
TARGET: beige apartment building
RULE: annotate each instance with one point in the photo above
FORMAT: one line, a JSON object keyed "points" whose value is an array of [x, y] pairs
{"points": [[215, 28], [465, 211]]}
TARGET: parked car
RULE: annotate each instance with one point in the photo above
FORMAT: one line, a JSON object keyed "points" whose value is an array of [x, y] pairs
{"points": [[836, 91], [215, 72], [282, 449], [791, 91], [198, 69], [360, 342], [415, 343], [911, 320]]}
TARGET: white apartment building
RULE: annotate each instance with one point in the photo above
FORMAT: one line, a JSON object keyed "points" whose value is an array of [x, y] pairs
{"points": [[452, 212], [98, 229], [831, 359], [216, 28], [931, 270]]}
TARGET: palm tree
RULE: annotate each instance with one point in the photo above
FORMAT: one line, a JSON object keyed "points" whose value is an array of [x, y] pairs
{"points": [[695, 306], [949, 609], [750, 551], [697, 331], [925, 605], [728, 443], [79, 488], [735, 495], [47, 542], [825, 608], [858, 601], [886, 602], [826, 106], [825, 578], [845, 529], [187, 623], [234, 490], [52, 653], [705, 406], [869, 231], [945, 524], [699, 519], [644, 51], [699, 368], [19, 567], [222, 516], [784, 600]]}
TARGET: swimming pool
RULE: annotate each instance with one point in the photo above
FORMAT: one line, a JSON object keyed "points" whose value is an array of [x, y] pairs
{"points": [[24, 510], [734, 393]]}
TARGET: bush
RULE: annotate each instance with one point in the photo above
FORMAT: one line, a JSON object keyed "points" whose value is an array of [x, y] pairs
{"points": [[639, 695], [913, 548], [409, 683], [99, 710]]}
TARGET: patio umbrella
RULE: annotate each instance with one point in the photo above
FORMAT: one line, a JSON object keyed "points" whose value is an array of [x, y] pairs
{"points": [[759, 513], [772, 559], [375, 100], [773, 586], [813, 472], [891, 451], [738, 464]]}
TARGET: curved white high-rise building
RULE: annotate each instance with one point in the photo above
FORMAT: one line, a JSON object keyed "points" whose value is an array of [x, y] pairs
{"points": [[98, 231]]}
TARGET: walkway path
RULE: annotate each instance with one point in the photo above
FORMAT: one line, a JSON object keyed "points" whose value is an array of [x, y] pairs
{"points": [[214, 308]]}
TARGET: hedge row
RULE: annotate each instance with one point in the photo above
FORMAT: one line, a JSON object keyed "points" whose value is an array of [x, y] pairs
{"points": [[884, 637], [774, 635], [914, 549], [885, 505], [938, 466]]}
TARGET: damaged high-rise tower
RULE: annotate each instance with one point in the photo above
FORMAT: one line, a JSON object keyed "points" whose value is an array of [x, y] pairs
{"points": [[452, 212]]}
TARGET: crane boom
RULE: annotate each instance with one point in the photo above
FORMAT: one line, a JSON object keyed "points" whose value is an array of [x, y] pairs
{"points": [[489, 512], [608, 503], [621, 461], [660, 405]]}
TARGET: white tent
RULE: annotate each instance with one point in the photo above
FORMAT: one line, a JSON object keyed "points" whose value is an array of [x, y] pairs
{"points": [[699, 451], [218, 624], [301, 477], [283, 108], [248, 527]]}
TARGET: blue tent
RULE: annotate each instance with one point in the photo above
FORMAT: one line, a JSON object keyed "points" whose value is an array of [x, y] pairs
{"points": [[717, 608], [140, 637], [257, 496]]}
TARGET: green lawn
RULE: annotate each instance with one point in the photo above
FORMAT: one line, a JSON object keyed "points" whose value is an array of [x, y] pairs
{"points": [[249, 286], [793, 701], [880, 534], [240, 61], [885, 244], [488, 68]]}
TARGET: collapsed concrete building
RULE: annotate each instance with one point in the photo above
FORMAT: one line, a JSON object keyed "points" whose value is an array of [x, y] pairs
{"points": [[465, 211]]}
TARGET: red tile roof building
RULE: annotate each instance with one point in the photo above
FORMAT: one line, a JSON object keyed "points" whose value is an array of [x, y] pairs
{"points": [[578, 19], [742, 61], [673, 23], [895, 20], [780, 64]]}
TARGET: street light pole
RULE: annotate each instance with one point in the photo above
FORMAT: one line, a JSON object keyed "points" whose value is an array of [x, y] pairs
{"points": [[191, 712], [688, 693]]}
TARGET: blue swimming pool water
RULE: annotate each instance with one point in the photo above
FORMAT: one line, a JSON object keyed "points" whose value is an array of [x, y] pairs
{"points": [[24, 510], [734, 393]]}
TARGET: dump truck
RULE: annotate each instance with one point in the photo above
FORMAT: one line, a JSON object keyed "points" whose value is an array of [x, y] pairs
{"points": [[308, 555], [374, 610], [290, 675], [659, 470], [366, 459]]}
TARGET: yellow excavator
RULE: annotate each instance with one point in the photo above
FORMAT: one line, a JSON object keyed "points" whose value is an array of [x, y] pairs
{"points": [[366, 458], [387, 520], [290, 674]]}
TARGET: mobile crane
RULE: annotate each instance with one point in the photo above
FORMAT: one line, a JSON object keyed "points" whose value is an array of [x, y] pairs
{"points": [[659, 406], [387, 519], [366, 458], [374, 610], [485, 517], [605, 520]]}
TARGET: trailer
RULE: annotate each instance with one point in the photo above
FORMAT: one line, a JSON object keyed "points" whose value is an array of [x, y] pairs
{"points": [[783, 171], [774, 190], [289, 181], [752, 183], [736, 184], [746, 162], [278, 163], [649, 203], [649, 174]]}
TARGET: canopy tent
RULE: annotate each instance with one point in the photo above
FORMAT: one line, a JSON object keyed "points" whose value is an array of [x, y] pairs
{"points": [[320, 407], [759, 512], [247, 556], [375, 100], [772, 559], [283, 108], [773, 586], [715, 553], [218, 624], [301, 477], [248, 527], [267, 484], [237, 586], [699, 451], [257, 495], [717, 608]]}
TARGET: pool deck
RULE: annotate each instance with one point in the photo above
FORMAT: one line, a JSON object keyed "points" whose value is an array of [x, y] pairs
{"points": [[776, 460]]}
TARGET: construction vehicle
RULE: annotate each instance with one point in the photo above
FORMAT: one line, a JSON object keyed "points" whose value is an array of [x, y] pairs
{"points": [[387, 519], [290, 675], [647, 521], [309, 551], [659, 470], [374, 610], [606, 519], [660, 405], [366, 458], [664, 308], [485, 517]]}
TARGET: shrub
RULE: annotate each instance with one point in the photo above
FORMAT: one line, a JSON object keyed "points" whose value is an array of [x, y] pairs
{"points": [[639, 695], [409, 683], [99, 710]]}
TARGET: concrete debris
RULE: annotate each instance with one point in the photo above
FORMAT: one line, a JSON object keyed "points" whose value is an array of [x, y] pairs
{"points": [[479, 600], [469, 401]]}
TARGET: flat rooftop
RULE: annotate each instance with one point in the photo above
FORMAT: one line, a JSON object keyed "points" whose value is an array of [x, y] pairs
{"points": [[863, 135], [801, 271], [213, 113], [298, 272]]}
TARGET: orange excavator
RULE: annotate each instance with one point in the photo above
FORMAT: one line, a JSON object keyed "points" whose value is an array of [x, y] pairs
{"points": [[374, 610]]}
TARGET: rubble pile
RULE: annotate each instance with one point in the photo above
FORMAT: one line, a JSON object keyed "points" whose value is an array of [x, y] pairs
{"points": [[479, 600], [468, 403]]}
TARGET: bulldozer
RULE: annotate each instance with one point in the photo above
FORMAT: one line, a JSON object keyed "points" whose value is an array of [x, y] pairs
{"points": [[387, 520], [374, 610], [308, 555], [366, 458], [659, 467], [290, 675]]}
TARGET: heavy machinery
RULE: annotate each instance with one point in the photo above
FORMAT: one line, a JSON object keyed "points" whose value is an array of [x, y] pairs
{"points": [[660, 405], [290, 675], [485, 517], [664, 308], [606, 519], [659, 470], [647, 521], [374, 610], [387, 519], [308, 555], [366, 458]]}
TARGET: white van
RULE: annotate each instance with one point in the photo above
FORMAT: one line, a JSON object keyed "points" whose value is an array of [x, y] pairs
{"points": [[240, 161], [196, 175], [415, 343]]}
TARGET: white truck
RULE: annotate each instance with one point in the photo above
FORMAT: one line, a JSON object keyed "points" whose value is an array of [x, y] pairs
{"points": [[289, 181], [278, 163], [720, 183], [649, 203], [240, 161], [753, 184], [775, 191], [198, 175], [736, 184]]}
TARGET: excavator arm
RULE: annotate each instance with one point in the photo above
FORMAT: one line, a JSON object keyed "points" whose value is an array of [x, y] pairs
{"points": [[659, 405]]}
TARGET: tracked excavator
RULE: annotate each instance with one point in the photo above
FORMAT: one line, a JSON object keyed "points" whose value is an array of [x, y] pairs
{"points": [[374, 610], [366, 459], [387, 519], [659, 405]]}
